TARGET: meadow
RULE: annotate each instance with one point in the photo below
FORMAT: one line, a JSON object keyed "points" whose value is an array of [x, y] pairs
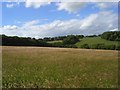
{"points": [[95, 40], [54, 41], [90, 41], [46, 67]]}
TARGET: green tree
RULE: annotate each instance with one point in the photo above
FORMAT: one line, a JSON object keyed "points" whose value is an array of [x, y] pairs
{"points": [[112, 36], [86, 46], [71, 39]]}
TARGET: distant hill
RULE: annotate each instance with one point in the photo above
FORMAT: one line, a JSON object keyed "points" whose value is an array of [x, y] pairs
{"points": [[93, 43], [95, 40], [107, 40]]}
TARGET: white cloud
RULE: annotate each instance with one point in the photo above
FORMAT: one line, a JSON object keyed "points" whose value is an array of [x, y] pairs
{"points": [[64, 0], [10, 5], [30, 23], [106, 5], [89, 21], [100, 22], [102, 5], [67, 6], [10, 30], [9, 27], [93, 24], [116, 29], [71, 7], [36, 4]]}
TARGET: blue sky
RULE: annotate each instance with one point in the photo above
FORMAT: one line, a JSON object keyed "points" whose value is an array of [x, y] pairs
{"points": [[56, 19], [50, 12]]}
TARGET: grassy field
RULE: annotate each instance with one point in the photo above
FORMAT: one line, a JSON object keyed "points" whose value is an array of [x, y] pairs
{"points": [[59, 67], [54, 41], [95, 40], [90, 41]]}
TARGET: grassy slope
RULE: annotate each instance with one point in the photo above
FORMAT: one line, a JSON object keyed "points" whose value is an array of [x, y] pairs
{"points": [[95, 40], [54, 41], [55, 67], [90, 41]]}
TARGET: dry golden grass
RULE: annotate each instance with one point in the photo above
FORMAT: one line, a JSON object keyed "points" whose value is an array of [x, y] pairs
{"points": [[59, 67]]}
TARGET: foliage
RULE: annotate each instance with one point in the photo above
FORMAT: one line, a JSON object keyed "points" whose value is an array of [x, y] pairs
{"points": [[92, 36], [57, 44], [86, 46], [54, 38], [61, 37], [71, 39], [98, 43], [112, 36], [22, 41], [101, 46]]}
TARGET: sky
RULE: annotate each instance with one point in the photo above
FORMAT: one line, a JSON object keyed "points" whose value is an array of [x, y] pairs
{"points": [[49, 19]]}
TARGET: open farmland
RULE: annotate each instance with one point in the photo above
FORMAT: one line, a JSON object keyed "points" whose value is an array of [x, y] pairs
{"points": [[59, 67], [95, 40], [91, 41]]}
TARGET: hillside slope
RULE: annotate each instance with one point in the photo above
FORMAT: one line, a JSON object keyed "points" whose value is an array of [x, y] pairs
{"points": [[95, 40]]}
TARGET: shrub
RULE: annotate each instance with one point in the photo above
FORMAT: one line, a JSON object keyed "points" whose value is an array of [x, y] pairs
{"points": [[70, 40], [117, 47], [86, 46], [110, 47], [112, 36], [57, 44], [100, 46]]}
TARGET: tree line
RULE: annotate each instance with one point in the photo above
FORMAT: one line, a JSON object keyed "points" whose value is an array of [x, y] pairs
{"points": [[112, 35], [21, 41], [68, 41], [101, 46], [60, 37], [27, 41]]}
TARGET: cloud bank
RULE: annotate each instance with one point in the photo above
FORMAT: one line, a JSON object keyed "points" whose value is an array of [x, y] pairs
{"points": [[71, 7], [96, 23]]}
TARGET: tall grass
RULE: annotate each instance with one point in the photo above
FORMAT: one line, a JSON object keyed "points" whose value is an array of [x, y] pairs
{"points": [[55, 67]]}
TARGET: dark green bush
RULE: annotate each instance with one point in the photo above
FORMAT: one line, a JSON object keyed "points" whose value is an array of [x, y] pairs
{"points": [[86, 46], [112, 36], [111, 47], [70, 40], [98, 46], [117, 47]]}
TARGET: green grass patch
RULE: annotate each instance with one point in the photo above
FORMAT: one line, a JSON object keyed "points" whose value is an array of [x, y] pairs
{"points": [[54, 41], [95, 40]]}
